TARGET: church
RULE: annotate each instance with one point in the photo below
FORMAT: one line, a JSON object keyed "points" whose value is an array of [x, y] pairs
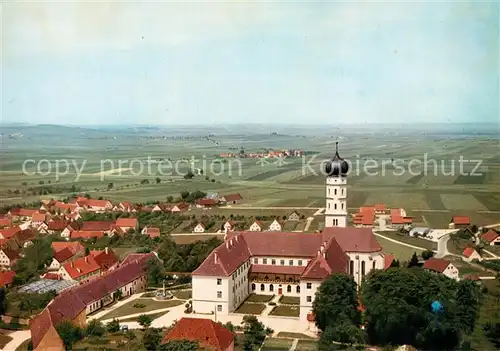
{"points": [[290, 264]]}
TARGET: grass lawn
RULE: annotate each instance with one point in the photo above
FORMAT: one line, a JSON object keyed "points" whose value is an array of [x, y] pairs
{"points": [[150, 305], [274, 344], [121, 252], [153, 316], [259, 298], [4, 340], [283, 310], [188, 239], [251, 308], [183, 294], [401, 252], [23, 346], [307, 345], [293, 335], [115, 341], [427, 244], [290, 300]]}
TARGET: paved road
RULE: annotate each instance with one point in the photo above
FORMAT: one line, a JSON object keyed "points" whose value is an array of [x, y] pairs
{"points": [[18, 338]]}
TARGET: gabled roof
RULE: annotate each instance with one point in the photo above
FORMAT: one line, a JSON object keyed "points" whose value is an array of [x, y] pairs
{"points": [[334, 260], [8, 233], [200, 224], [205, 331], [461, 220], [58, 224], [6, 278], [388, 258], [207, 202], [436, 264], [74, 246], [5, 222], [97, 225], [126, 222], [63, 255], [153, 232], [490, 236], [25, 235], [104, 258], [181, 205], [81, 266], [232, 197], [468, 251], [38, 217], [97, 203], [82, 234], [11, 254], [354, 239]]}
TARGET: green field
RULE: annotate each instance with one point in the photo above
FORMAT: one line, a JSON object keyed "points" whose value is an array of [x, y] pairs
{"points": [[132, 160]]}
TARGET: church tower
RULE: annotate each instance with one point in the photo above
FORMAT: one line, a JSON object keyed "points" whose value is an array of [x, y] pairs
{"points": [[336, 191]]}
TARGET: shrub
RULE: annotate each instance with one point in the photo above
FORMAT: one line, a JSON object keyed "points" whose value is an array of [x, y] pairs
{"points": [[139, 305]]}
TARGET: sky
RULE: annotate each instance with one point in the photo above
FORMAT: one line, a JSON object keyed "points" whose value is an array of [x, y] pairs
{"points": [[161, 63]]}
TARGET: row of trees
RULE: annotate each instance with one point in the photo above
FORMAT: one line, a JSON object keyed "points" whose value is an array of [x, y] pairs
{"points": [[398, 310]]}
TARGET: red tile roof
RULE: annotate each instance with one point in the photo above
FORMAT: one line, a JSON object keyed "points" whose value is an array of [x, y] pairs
{"points": [[81, 266], [63, 255], [5, 222], [207, 202], [11, 254], [82, 234], [354, 239], [97, 225], [57, 224], [490, 236], [51, 276], [468, 251], [232, 197], [74, 246], [25, 235], [38, 217], [334, 260], [6, 278], [461, 220], [181, 206], [266, 268], [152, 232], [104, 258], [208, 333], [126, 222], [388, 258], [472, 277], [8, 233], [367, 210], [436, 264], [380, 207], [97, 203]]}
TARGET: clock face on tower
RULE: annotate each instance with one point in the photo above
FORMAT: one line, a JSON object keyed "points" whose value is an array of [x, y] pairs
{"points": [[337, 166]]}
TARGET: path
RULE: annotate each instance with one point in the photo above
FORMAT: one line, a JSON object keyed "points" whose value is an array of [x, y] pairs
{"points": [[133, 315], [443, 246], [319, 212], [294, 345], [114, 307], [308, 223], [18, 337], [492, 225]]}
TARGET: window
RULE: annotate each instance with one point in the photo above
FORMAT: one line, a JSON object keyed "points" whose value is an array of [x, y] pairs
{"points": [[342, 191], [282, 262], [262, 287], [271, 287], [219, 294], [219, 308], [308, 298], [328, 205], [298, 289], [256, 260], [273, 261], [373, 264], [335, 191], [308, 286], [264, 261], [335, 206], [219, 281], [342, 205], [362, 268], [253, 287], [290, 263], [351, 267], [300, 262], [289, 288]]}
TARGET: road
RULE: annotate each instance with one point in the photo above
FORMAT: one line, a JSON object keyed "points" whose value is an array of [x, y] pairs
{"points": [[18, 337]]}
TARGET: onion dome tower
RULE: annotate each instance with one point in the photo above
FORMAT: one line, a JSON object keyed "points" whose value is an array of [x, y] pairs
{"points": [[336, 171]]}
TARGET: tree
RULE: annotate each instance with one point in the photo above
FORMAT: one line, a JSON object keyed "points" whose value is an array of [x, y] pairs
{"points": [[158, 180], [3, 302], [468, 301], [189, 175], [110, 186], [156, 272], [413, 261], [336, 301], [344, 332], [184, 194], [254, 333], [113, 326], [180, 345], [34, 260], [492, 331], [87, 251], [427, 254], [94, 328], [69, 333], [117, 294], [395, 263], [151, 339], [144, 321], [170, 198]]}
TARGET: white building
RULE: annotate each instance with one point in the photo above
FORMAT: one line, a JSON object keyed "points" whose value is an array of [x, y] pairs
{"points": [[275, 226], [256, 227], [200, 228], [336, 191]]}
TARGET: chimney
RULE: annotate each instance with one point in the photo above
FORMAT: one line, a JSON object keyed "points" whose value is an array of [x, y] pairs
{"points": [[216, 258], [86, 259], [227, 245], [236, 238], [106, 250], [73, 264]]}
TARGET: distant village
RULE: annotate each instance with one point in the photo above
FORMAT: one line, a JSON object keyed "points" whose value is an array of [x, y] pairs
{"points": [[267, 154]]}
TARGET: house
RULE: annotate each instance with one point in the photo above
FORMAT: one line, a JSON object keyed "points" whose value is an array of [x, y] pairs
{"points": [[37, 219], [471, 254], [73, 226], [364, 219], [200, 228], [81, 269], [228, 226], [43, 228], [231, 199], [65, 252], [98, 226], [275, 226], [22, 214], [459, 222], [282, 263], [5, 222], [76, 303], [124, 207], [126, 224], [57, 225], [6, 278], [97, 205], [209, 334], [105, 259], [181, 207], [61, 207], [153, 232], [399, 218], [380, 208], [439, 265], [8, 233], [256, 227], [25, 237], [491, 237], [85, 235], [206, 203], [8, 257], [294, 216]]}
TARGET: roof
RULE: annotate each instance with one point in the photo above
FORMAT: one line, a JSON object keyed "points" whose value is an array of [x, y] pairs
{"points": [[332, 260], [461, 220], [97, 225], [57, 224], [380, 207], [473, 277], [81, 266], [74, 246], [468, 251], [388, 258], [63, 255], [490, 236], [8, 233], [104, 258], [86, 234], [126, 222], [39, 326], [201, 224], [354, 239], [207, 202], [38, 217], [181, 205], [10, 253], [206, 332], [153, 232], [258, 223], [232, 197], [96, 203], [5, 222], [6, 278], [436, 264], [25, 235]]}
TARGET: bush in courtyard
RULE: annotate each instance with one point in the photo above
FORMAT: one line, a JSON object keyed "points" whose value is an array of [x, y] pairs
{"points": [[427, 254], [139, 305]]}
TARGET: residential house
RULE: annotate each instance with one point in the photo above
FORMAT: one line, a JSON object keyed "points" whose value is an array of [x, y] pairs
{"points": [[380, 208], [294, 216], [76, 303], [124, 207], [94, 205], [199, 228], [444, 267], [471, 254], [8, 233], [206, 203], [208, 334], [6, 278], [491, 237], [256, 227], [399, 219], [275, 226], [104, 226], [459, 222], [8, 256], [81, 269], [231, 199], [106, 259], [22, 214], [64, 208], [25, 237], [85, 234], [37, 219], [228, 226], [71, 227], [5, 222], [65, 252], [181, 207], [57, 225], [126, 224], [153, 232]]}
